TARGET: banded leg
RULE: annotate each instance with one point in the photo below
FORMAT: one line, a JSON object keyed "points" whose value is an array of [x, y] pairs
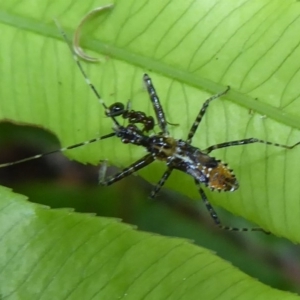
{"points": [[159, 112], [245, 142], [59, 150], [161, 182], [202, 113], [215, 217], [139, 164]]}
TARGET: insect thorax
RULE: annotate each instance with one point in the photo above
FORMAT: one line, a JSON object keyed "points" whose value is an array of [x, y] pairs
{"points": [[162, 147], [131, 134], [180, 155]]}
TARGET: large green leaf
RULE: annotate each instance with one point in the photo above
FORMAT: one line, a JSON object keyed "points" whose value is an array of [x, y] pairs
{"points": [[191, 49], [58, 254]]}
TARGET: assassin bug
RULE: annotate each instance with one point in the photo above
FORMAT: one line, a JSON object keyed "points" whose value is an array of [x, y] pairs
{"points": [[178, 154]]}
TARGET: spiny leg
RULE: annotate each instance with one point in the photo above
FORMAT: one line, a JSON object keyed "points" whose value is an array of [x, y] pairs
{"points": [[59, 150], [139, 164], [161, 182], [87, 80], [159, 112], [245, 142], [201, 114], [215, 217]]}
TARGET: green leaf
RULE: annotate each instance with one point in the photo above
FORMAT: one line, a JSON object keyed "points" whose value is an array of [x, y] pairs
{"points": [[58, 254], [191, 49]]}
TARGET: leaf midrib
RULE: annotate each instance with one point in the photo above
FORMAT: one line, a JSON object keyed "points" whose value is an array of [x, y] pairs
{"points": [[147, 63]]}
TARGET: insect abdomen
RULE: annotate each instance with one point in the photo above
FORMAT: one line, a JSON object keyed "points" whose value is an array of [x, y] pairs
{"points": [[206, 169], [220, 178]]}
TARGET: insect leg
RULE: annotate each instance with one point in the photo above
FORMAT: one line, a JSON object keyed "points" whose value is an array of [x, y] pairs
{"points": [[215, 217], [245, 142], [161, 182], [201, 114], [159, 112], [59, 150], [139, 164]]}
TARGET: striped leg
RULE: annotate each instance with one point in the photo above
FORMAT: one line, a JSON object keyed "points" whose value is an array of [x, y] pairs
{"points": [[215, 217], [201, 114], [59, 150], [161, 182], [139, 164], [245, 142], [159, 112]]}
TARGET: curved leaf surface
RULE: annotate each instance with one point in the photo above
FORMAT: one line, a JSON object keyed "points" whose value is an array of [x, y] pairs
{"points": [[59, 254], [191, 49]]}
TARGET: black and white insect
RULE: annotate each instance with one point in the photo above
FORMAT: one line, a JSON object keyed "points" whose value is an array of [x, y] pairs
{"points": [[177, 154]]}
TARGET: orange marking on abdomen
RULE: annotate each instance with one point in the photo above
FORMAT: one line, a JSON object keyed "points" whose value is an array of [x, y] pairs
{"points": [[221, 178]]}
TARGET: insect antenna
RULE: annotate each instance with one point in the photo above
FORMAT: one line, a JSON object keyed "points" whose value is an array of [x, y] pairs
{"points": [[58, 150], [98, 96], [87, 80]]}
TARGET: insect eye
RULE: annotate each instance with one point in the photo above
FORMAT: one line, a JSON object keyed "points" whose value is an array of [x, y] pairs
{"points": [[115, 109]]}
